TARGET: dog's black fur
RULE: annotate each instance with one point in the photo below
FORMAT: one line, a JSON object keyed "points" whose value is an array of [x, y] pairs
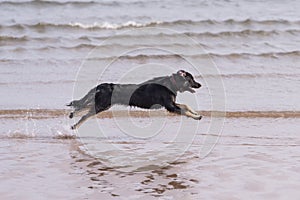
{"points": [[155, 93]]}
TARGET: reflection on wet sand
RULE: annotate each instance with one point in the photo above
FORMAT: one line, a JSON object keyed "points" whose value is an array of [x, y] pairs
{"points": [[153, 180]]}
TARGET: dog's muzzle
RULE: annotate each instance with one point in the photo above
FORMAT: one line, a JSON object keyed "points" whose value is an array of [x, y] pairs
{"points": [[196, 85], [188, 87]]}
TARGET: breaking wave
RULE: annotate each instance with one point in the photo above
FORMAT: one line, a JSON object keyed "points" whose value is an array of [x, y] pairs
{"points": [[133, 24]]}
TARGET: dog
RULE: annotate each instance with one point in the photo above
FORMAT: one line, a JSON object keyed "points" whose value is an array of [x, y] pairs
{"points": [[153, 94]]}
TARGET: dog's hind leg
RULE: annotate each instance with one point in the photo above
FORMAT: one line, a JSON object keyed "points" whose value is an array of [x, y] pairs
{"points": [[78, 112], [90, 114]]}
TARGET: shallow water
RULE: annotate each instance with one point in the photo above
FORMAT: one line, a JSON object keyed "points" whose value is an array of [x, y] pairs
{"points": [[244, 53], [253, 156]]}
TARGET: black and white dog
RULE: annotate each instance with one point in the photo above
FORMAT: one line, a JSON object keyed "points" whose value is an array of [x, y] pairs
{"points": [[153, 94]]}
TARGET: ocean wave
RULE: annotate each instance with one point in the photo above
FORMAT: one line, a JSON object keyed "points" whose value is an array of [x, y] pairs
{"points": [[73, 2], [241, 33], [91, 46], [250, 76], [134, 24], [143, 57], [54, 113], [275, 55], [246, 32], [265, 55], [56, 3], [74, 25], [14, 38], [107, 25], [224, 76], [38, 82]]}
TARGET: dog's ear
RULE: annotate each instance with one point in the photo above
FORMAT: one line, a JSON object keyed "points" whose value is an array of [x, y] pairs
{"points": [[181, 73]]}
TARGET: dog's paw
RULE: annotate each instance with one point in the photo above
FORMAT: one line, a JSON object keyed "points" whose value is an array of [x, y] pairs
{"points": [[199, 117], [71, 115]]}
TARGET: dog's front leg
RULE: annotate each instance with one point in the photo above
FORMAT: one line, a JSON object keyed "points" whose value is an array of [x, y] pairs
{"points": [[186, 107], [182, 110], [189, 112], [192, 115]]}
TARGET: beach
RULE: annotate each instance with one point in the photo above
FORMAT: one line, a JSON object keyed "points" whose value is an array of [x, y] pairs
{"points": [[244, 53]]}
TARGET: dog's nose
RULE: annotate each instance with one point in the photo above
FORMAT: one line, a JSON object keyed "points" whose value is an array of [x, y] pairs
{"points": [[198, 85]]}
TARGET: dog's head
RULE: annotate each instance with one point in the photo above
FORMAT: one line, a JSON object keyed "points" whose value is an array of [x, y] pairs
{"points": [[185, 81]]}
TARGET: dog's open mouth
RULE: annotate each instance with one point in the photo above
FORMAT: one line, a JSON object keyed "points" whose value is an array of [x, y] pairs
{"points": [[191, 90], [187, 89], [190, 87]]}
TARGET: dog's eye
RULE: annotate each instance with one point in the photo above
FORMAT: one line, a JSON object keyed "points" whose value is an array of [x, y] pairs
{"points": [[188, 78]]}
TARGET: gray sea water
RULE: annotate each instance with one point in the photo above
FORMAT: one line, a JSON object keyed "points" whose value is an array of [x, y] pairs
{"points": [[245, 53]]}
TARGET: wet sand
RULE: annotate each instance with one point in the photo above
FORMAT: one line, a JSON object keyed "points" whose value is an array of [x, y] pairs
{"points": [[252, 159], [39, 168]]}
